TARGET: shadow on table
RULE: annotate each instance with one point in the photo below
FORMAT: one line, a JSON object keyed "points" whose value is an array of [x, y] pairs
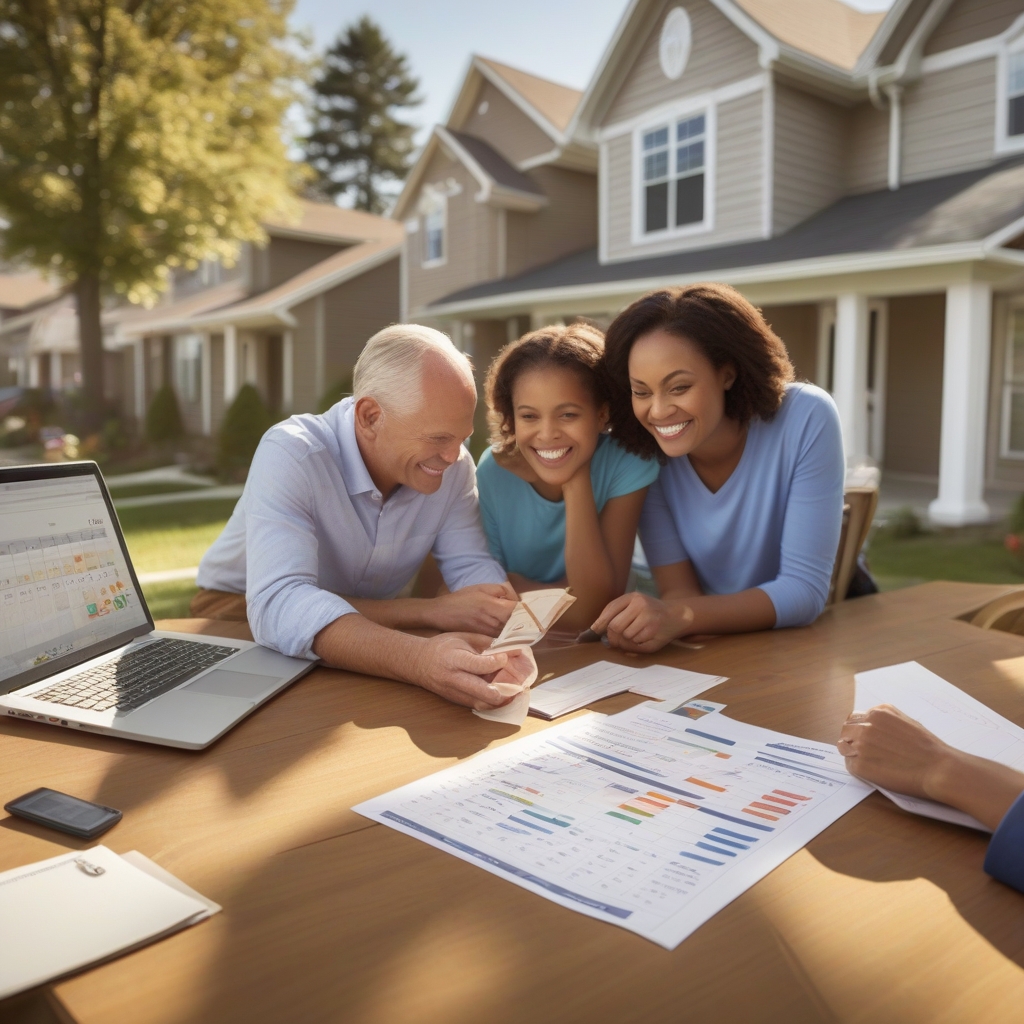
{"points": [[948, 856]]}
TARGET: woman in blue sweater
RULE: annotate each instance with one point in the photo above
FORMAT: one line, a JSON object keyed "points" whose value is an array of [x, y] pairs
{"points": [[741, 529]]}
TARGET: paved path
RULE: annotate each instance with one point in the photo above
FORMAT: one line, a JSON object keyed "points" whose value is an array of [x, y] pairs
{"points": [[180, 497], [168, 575]]}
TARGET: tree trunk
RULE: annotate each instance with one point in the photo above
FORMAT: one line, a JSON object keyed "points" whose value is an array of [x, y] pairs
{"points": [[90, 345]]}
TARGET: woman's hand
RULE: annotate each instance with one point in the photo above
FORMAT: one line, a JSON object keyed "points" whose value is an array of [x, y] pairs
{"points": [[642, 624]]}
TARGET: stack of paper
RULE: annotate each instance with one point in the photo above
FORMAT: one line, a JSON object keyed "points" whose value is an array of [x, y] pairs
{"points": [[672, 684], [577, 689], [954, 716], [62, 914]]}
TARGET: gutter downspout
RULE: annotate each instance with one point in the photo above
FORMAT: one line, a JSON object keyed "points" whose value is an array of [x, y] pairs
{"points": [[893, 93]]}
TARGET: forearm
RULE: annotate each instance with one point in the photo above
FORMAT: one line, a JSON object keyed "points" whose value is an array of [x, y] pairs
{"points": [[358, 644], [746, 612], [400, 613], [984, 789], [588, 564]]}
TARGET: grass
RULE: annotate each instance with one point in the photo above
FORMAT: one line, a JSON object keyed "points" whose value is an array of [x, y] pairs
{"points": [[157, 487], [969, 554], [173, 536], [169, 600]]}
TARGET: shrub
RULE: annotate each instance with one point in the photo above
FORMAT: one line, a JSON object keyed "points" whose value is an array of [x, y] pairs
{"points": [[163, 417], [335, 393], [1016, 521], [245, 422], [903, 523]]}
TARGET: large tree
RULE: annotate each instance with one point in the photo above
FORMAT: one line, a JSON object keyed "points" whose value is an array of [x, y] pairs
{"points": [[137, 136], [357, 144]]}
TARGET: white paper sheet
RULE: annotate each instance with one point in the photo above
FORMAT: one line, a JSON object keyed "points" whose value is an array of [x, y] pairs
{"points": [[56, 918], [642, 819], [523, 667], [954, 716], [672, 684], [577, 689]]}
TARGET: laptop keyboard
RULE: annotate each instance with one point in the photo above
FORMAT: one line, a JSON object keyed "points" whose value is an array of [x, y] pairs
{"points": [[138, 676]]}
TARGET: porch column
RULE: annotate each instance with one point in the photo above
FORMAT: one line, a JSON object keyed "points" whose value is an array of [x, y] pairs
{"points": [[139, 378], [287, 372], [230, 364], [56, 372], [33, 372], [965, 362], [850, 374]]}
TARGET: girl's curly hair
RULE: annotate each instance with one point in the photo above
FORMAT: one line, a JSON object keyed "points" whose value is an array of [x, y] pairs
{"points": [[725, 327], [578, 347]]}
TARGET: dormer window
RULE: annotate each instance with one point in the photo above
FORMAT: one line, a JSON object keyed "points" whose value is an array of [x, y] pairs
{"points": [[434, 210], [1010, 95], [1015, 95], [673, 174]]}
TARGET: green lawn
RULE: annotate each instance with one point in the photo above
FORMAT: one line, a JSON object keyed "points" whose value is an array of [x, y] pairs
{"points": [[971, 554], [169, 600]]}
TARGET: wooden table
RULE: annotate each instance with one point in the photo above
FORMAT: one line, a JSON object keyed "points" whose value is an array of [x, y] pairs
{"points": [[329, 917]]}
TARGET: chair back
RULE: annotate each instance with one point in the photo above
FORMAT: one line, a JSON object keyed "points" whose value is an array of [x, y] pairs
{"points": [[858, 514], [1005, 613]]}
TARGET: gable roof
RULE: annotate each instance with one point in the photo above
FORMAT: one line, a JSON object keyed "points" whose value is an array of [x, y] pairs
{"points": [[325, 222], [556, 103], [828, 29], [493, 164], [962, 216], [23, 288]]}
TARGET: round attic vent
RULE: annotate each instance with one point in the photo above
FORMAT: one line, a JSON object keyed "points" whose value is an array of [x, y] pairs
{"points": [[674, 45]]}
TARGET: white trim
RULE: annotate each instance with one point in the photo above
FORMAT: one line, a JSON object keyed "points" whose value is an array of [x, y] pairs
{"points": [[527, 108], [869, 56], [230, 363], [603, 198], [733, 91], [287, 371], [768, 156], [1012, 42], [502, 243], [811, 268], [894, 93], [982, 49], [876, 397], [440, 197], [826, 346], [139, 377], [540, 159], [490, 190], [639, 238], [1007, 387]]}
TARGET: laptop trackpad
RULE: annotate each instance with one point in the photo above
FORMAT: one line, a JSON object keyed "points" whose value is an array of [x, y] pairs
{"points": [[226, 683]]}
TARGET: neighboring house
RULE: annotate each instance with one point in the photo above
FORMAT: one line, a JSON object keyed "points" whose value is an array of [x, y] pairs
{"points": [[289, 318], [858, 176], [20, 290]]}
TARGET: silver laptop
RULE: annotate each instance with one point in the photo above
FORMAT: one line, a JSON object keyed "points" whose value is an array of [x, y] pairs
{"points": [[77, 643]]}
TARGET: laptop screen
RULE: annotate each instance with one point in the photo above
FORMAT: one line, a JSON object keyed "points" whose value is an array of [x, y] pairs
{"points": [[65, 585]]}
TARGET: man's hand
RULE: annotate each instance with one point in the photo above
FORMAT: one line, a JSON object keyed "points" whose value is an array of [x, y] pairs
{"points": [[885, 747], [452, 667], [481, 608], [636, 622]]}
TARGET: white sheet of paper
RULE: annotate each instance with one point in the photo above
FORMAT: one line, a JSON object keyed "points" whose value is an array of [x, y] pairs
{"points": [[642, 819], [954, 716], [55, 918], [515, 712], [672, 684], [536, 612], [577, 689]]}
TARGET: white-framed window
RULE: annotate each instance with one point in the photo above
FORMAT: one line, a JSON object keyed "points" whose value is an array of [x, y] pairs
{"points": [[674, 175], [1010, 96], [188, 366], [434, 211], [1012, 440]]}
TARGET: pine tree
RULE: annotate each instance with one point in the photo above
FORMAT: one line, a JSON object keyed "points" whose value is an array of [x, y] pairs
{"points": [[357, 144], [136, 137]]}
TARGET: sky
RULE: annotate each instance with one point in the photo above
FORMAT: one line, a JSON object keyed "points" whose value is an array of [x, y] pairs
{"points": [[557, 39]]}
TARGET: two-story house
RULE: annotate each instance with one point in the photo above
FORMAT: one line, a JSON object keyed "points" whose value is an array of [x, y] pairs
{"points": [[289, 317], [860, 177]]}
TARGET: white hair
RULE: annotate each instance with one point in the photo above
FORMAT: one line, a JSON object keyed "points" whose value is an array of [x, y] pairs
{"points": [[390, 367]]}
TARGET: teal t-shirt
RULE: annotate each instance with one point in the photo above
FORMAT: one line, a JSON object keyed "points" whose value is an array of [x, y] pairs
{"points": [[526, 532]]}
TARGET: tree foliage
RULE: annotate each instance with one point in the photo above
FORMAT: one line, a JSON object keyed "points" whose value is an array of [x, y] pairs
{"points": [[163, 417], [137, 136], [357, 144]]}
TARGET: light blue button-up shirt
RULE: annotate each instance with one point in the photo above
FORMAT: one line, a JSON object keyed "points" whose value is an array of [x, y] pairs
{"points": [[311, 525]]}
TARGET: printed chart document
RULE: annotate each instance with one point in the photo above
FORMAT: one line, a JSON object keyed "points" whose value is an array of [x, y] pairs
{"points": [[62, 914], [954, 716], [577, 689], [643, 819]]}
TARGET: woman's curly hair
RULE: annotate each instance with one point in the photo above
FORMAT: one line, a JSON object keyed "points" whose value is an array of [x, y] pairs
{"points": [[578, 347], [725, 327]]}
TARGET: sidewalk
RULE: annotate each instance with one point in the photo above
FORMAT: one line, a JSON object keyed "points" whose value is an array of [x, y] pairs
{"points": [[916, 494]]}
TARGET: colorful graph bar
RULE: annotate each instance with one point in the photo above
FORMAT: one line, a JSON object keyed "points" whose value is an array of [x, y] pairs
{"points": [[792, 796], [760, 814], [624, 817], [635, 810], [735, 835], [715, 849], [530, 824], [706, 785], [768, 807], [697, 856]]}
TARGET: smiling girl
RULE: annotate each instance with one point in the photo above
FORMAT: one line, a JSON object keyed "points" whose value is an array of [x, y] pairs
{"points": [[560, 499], [741, 529]]}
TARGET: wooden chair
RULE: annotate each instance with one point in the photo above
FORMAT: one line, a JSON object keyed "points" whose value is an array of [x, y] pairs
{"points": [[859, 508], [1005, 613]]}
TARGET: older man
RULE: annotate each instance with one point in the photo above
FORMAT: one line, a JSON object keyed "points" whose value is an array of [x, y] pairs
{"points": [[340, 510]]}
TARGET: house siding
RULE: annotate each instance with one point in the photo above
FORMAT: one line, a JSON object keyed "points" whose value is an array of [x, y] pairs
{"points": [[306, 387], [913, 399], [797, 326], [867, 149], [720, 54], [949, 121], [738, 185], [471, 249], [505, 126], [353, 313], [967, 21], [567, 224], [810, 155], [282, 258]]}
